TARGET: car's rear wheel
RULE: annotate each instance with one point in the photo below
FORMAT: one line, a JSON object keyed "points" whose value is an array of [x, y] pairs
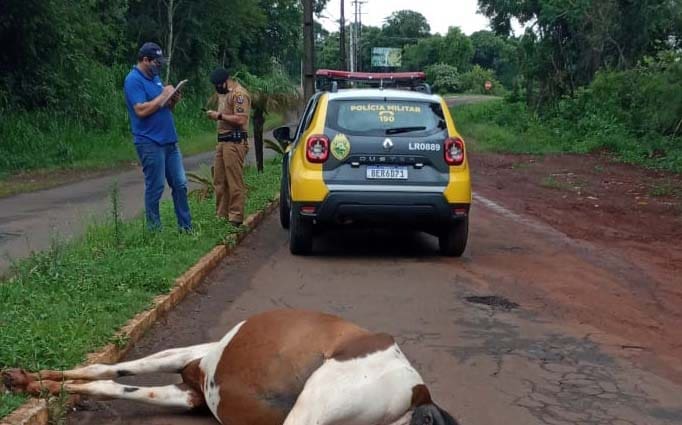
{"points": [[284, 202], [453, 240], [300, 234]]}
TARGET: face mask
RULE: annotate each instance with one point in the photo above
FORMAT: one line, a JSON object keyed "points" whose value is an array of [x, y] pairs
{"points": [[155, 68], [221, 89]]}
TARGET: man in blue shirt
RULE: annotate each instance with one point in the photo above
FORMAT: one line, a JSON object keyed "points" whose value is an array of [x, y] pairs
{"points": [[150, 105]]}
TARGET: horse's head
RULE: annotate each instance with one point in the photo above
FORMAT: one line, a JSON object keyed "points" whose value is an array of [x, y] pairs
{"points": [[431, 414]]}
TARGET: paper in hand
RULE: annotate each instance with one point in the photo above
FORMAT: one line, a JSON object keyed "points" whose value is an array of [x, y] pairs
{"points": [[175, 90]]}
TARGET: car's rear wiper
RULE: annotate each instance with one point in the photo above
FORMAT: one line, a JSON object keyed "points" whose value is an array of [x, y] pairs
{"points": [[397, 130]]}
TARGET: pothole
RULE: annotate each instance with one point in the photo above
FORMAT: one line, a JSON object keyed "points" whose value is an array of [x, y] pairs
{"points": [[493, 301]]}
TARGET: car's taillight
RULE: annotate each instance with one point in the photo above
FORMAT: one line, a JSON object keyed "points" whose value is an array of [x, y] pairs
{"points": [[317, 148], [454, 151]]}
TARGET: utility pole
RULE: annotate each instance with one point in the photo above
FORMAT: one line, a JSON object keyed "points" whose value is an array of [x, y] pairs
{"points": [[342, 37], [359, 40], [351, 53], [355, 36], [308, 50], [356, 29]]}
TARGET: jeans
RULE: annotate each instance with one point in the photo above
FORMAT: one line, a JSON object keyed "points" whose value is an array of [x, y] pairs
{"points": [[159, 161]]}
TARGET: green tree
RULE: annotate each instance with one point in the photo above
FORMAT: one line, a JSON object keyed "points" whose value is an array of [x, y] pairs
{"points": [[453, 49], [425, 52], [567, 42], [49, 47], [443, 78], [456, 49], [473, 81], [405, 26], [272, 92], [496, 53], [327, 55], [371, 37]]}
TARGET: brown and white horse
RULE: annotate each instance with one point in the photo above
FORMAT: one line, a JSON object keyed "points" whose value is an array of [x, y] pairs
{"points": [[291, 367]]}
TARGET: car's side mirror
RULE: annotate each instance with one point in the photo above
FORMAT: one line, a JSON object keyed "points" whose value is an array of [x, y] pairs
{"points": [[283, 134]]}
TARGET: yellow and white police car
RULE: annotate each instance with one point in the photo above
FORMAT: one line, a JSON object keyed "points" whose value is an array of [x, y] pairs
{"points": [[386, 155]]}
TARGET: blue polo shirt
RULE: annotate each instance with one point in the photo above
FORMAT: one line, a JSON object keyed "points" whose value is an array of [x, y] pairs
{"points": [[158, 127]]}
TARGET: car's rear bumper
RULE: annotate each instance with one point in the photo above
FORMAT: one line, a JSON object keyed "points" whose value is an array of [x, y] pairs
{"points": [[421, 210]]}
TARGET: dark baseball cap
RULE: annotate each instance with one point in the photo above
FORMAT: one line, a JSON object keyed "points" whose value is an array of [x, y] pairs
{"points": [[219, 76], [151, 50]]}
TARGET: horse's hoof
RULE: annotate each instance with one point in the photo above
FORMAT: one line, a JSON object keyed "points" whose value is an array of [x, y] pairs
{"points": [[15, 380]]}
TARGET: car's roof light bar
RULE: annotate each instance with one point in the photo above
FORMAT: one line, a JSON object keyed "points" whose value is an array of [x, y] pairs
{"points": [[370, 76], [329, 79]]}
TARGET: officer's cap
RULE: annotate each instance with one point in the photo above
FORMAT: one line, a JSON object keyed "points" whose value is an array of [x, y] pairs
{"points": [[219, 76]]}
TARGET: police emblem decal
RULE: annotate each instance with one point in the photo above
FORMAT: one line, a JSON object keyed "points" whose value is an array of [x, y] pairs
{"points": [[340, 146]]}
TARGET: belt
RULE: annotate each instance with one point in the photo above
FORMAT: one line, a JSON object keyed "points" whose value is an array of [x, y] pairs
{"points": [[233, 136]]}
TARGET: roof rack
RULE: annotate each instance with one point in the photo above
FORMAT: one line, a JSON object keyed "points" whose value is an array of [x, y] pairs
{"points": [[331, 80]]}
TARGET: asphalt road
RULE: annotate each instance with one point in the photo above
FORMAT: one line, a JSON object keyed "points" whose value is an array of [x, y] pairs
{"points": [[33, 221], [501, 365]]}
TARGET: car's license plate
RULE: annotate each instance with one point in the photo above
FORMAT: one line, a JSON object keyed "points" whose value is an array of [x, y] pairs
{"points": [[389, 173]]}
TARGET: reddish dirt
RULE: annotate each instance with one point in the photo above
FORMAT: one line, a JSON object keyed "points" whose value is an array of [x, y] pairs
{"points": [[626, 210]]}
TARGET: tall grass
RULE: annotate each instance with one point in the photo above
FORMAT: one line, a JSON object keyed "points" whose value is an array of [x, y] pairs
{"points": [[90, 129], [502, 127], [68, 301]]}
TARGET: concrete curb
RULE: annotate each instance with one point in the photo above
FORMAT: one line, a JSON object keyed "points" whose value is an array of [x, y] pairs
{"points": [[34, 411]]}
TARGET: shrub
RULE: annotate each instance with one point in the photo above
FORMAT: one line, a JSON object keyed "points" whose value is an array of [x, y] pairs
{"points": [[474, 82], [443, 78]]}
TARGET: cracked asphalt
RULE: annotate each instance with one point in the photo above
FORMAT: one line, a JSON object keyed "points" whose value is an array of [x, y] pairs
{"points": [[488, 365]]}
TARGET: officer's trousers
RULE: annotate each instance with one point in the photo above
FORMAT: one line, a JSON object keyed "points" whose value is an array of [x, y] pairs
{"points": [[228, 180]]}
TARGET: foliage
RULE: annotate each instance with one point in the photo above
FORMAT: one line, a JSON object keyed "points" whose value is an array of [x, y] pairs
{"points": [[275, 145], [328, 51], [426, 52], [646, 99], [454, 49], [443, 78], [203, 178], [496, 53], [61, 304], [499, 126], [404, 26], [272, 92], [474, 81], [566, 43], [49, 139]]}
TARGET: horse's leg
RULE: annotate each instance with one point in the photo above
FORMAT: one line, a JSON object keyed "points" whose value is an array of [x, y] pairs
{"points": [[182, 395], [169, 361]]}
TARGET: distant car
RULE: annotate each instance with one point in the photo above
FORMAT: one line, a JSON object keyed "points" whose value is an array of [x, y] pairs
{"points": [[387, 155]]}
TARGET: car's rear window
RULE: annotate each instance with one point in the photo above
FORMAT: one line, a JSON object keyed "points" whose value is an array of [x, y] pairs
{"points": [[382, 117]]}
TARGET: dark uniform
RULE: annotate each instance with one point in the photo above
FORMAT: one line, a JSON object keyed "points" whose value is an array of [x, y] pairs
{"points": [[231, 151]]}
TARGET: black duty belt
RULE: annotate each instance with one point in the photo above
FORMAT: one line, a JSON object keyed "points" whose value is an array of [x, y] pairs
{"points": [[233, 136]]}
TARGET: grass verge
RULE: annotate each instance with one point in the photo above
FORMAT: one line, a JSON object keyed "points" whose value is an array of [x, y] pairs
{"points": [[502, 127], [61, 304]]}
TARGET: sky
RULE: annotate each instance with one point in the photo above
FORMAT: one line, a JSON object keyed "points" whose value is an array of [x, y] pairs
{"points": [[441, 14]]}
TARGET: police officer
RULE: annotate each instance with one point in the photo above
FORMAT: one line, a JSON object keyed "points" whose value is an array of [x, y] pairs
{"points": [[232, 116]]}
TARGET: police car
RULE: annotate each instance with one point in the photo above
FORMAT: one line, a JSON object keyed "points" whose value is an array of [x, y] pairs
{"points": [[387, 154]]}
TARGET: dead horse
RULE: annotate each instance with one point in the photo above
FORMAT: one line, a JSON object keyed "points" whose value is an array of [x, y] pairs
{"points": [[287, 366]]}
